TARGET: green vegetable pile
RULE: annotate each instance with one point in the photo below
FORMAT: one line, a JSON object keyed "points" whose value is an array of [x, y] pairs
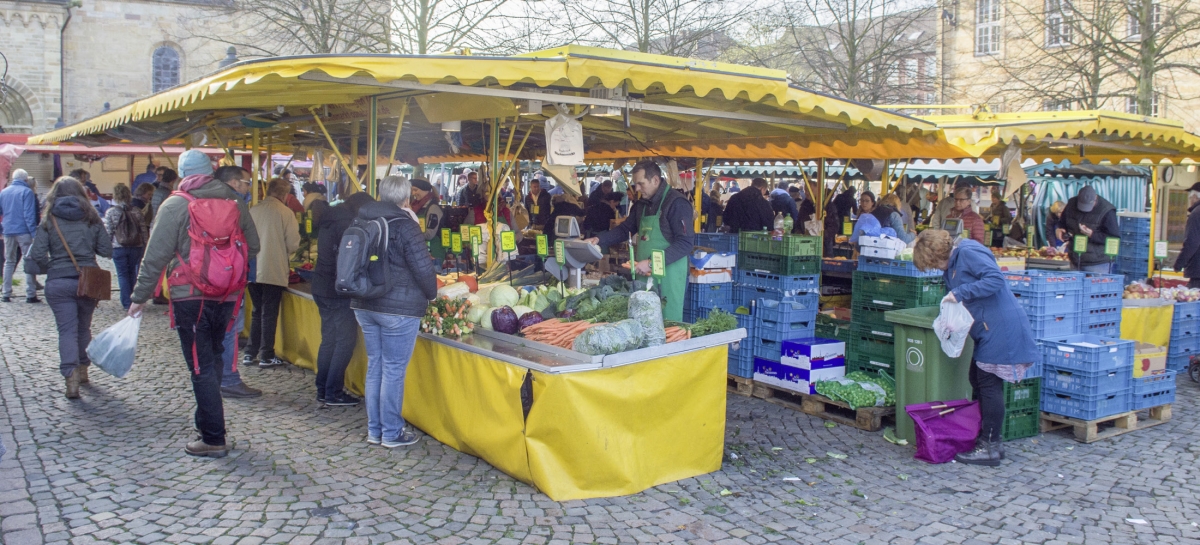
{"points": [[613, 309], [717, 321], [588, 304], [859, 389]]}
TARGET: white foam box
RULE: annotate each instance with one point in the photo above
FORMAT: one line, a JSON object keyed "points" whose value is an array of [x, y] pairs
{"points": [[713, 260], [882, 241], [709, 276], [873, 251]]}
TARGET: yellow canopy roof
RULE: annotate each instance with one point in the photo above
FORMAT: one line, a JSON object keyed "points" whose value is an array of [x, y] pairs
{"points": [[1093, 135], [676, 107]]}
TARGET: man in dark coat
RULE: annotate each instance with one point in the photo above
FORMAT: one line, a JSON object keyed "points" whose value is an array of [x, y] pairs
{"points": [[1090, 215], [1189, 257], [749, 210]]}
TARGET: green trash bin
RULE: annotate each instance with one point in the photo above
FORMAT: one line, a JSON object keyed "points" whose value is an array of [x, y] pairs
{"points": [[923, 371]]}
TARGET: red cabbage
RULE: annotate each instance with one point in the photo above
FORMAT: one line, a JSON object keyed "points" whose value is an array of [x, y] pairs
{"points": [[528, 319], [504, 320]]}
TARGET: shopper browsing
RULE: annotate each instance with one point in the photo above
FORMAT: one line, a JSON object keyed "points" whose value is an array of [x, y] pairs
{"points": [[279, 236], [18, 206], [1004, 345], [749, 210], [339, 327], [127, 227], [232, 385], [972, 223], [1092, 216]]}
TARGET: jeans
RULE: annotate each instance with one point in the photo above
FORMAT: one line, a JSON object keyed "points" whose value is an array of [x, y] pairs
{"points": [[14, 248], [127, 260], [73, 317], [390, 340], [263, 318], [339, 334], [1104, 268], [201, 327], [229, 377], [988, 390]]}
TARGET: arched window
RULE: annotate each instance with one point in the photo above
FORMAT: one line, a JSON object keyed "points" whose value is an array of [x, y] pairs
{"points": [[15, 114], [165, 68]]}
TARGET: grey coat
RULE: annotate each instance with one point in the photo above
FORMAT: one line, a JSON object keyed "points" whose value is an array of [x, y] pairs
{"points": [[48, 256]]}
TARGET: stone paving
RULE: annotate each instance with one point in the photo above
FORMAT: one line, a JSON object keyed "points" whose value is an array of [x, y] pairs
{"points": [[110, 468]]}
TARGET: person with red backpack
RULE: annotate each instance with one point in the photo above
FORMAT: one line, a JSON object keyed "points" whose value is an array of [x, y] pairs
{"points": [[202, 243]]}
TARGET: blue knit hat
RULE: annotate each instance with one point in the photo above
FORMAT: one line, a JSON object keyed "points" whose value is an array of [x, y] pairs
{"points": [[193, 162]]}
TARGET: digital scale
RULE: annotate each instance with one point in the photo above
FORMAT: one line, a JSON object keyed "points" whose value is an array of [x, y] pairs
{"points": [[954, 226], [578, 252]]}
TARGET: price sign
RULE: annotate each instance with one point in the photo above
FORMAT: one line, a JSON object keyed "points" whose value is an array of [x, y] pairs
{"points": [[847, 228], [1080, 245], [1112, 246], [1029, 238], [456, 243], [966, 233], [1007, 228], [445, 237], [508, 241], [560, 252], [543, 246], [475, 241], [1160, 249], [465, 232], [476, 234], [308, 224], [658, 263]]}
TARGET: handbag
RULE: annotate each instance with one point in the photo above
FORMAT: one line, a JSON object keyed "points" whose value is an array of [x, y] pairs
{"points": [[944, 428], [94, 282]]}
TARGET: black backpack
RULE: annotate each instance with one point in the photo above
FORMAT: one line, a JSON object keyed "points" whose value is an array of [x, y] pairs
{"points": [[363, 271], [130, 229]]}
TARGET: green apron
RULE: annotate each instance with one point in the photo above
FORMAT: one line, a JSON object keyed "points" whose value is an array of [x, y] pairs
{"points": [[674, 285]]}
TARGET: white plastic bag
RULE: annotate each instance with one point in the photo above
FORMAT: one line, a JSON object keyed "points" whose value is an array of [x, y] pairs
{"points": [[952, 326], [114, 348]]}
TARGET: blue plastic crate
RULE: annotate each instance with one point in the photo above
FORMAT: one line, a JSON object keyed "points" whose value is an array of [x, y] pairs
{"points": [[1100, 283], [1085, 382], [893, 266], [1103, 330], [1050, 303], [719, 242], [1153, 390], [1185, 327], [786, 284], [1087, 353], [1183, 346], [785, 331], [765, 348], [1134, 248], [1084, 407], [847, 266], [1104, 300], [1102, 315], [1131, 267], [741, 361], [748, 296], [793, 308], [1187, 310], [708, 295], [1034, 281], [1059, 325], [1179, 363]]}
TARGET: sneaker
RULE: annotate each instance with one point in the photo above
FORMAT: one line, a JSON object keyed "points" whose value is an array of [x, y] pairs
{"points": [[6, 299], [240, 390], [372, 440], [983, 455], [273, 362], [320, 398], [32, 300], [342, 400], [406, 438], [247, 360], [202, 449]]}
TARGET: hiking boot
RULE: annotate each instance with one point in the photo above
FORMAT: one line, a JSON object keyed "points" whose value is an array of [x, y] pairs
{"points": [[273, 362], [82, 371], [342, 400], [32, 300], [73, 384], [240, 390], [200, 448], [985, 454], [406, 438]]}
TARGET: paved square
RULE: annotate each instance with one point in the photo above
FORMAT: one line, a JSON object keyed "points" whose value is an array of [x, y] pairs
{"points": [[110, 468]]}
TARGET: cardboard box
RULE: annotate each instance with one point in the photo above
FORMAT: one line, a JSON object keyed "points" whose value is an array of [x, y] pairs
{"points": [[1148, 360], [710, 276], [871, 251], [792, 378], [882, 241], [814, 353]]}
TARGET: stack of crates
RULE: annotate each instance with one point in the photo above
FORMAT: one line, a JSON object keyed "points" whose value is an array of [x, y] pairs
{"points": [[1153, 391], [1021, 403], [791, 255], [829, 327], [1086, 377], [741, 360], [703, 298], [1102, 304], [1134, 257], [1053, 300], [881, 285], [790, 317], [1185, 336]]}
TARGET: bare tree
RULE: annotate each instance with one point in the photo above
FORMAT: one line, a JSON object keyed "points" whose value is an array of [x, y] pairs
{"points": [[682, 28], [295, 27], [434, 26]]}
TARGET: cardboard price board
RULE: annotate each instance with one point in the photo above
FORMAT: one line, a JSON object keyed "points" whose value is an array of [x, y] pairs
{"points": [[476, 234], [543, 246], [465, 232], [508, 241]]}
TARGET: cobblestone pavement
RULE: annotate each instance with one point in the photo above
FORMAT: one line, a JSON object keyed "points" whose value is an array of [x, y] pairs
{"points": [[110, 468]]}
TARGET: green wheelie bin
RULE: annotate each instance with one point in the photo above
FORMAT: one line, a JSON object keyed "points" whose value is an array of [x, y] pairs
{"points": [[923, 371]]}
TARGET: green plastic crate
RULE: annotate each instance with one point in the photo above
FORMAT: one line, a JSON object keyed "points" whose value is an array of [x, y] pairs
{"points": [[868, 314], [833, 328], [872, 343], [898, 292], [1020, 424], [1026, 394], [858, 362], [762, 242], [777, 264]]}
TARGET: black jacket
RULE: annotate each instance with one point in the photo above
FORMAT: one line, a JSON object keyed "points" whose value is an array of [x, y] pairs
{"points": [[1189, 257], [599, 218], [561, 209], [675, 221], [544, 208], [87, 240], [1102, 220], [747, 210], [807, 211], [414, 282], [330, 227]]}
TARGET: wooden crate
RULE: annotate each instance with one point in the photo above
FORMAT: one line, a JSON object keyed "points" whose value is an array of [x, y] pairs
{"points": [[865, 418], [740, 385], [1090, 431]]}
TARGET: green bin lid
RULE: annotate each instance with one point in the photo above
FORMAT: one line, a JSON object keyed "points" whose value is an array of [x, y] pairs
{"points": [[920, 317]]}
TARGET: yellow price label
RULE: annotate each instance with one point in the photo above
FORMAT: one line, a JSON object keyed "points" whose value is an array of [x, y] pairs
{"points": [[658, 263], [1081, 243], [464, 231], [560, 252], [308, 224], [847, 228], [475, 241], [456, 243], [508, 241], [446, 237], [476, 234], [1112, 246], [543, 246], [424, 224]]}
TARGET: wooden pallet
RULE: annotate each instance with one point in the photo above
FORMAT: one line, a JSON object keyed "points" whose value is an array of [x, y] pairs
{"points": [[740, 385], [1090, 431], [865, 418]]}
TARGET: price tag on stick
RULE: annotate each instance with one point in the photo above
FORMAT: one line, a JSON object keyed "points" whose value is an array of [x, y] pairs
{"points": [[1112, 246], [1160, 249], [465, 232], [847, 228], [658, 264], [508, 241], [476, 234], [543, 246], [456, 243], [445, 237], [1081, 242], [560, 252]]}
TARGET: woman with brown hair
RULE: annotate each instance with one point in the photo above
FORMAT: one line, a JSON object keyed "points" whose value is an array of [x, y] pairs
{"points": [[124, 222], [70, 218], [1004, 345]]}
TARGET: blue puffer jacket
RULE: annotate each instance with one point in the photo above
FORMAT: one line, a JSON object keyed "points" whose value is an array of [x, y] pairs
{"points": [[18, 205], [1001, 331]]}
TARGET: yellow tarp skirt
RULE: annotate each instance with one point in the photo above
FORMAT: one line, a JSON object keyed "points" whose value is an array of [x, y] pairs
{"points": [[589, 434], [1147, 324]]}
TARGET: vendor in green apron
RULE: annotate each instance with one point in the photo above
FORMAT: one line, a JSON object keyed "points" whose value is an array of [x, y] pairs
{"points": [[660, 220], [429, 215]]}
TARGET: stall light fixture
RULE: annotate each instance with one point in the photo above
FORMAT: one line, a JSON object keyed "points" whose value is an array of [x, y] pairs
{"points": [[605, 93], [452, 126]]}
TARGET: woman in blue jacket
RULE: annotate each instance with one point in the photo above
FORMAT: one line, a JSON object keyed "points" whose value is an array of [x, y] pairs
{"points": [[1004, 345]]}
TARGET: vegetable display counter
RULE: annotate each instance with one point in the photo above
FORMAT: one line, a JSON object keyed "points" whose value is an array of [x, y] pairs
{"points": [[572, 425]]}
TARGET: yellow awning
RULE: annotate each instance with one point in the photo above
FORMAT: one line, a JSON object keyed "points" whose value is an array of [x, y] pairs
{"points": [[1093, 135]]}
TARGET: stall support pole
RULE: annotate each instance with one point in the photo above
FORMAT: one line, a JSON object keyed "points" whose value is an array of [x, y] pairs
{"points": [[493, 168], [355, 132], [333, 146], [255, 165], [1153, 216], [821, 184], [396, 138], [269, 170], [698, 189], [372, 145]]}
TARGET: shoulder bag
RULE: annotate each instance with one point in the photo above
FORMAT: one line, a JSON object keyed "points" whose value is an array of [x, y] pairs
{"points": [[94, 282]]}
